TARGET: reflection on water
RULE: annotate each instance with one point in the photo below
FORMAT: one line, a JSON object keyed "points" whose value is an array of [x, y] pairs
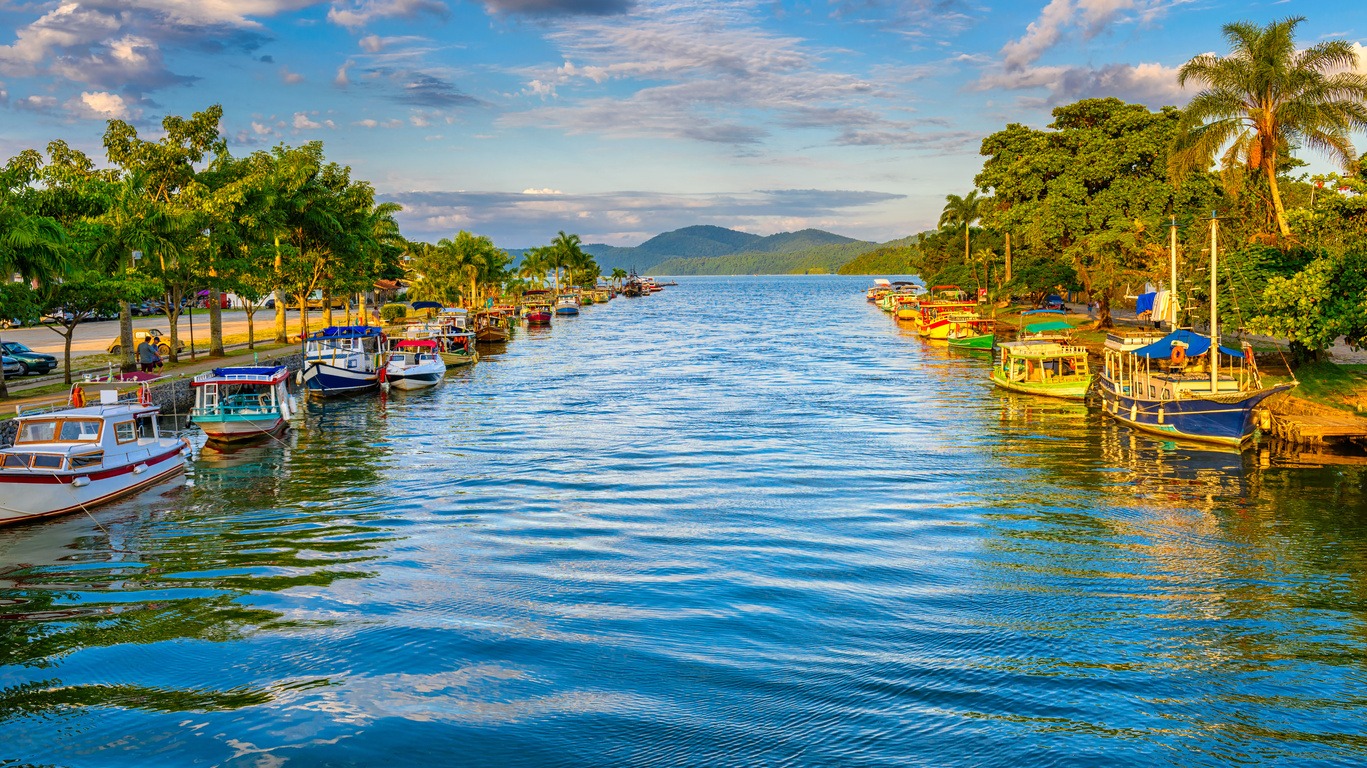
{"points": [[673, 531]]}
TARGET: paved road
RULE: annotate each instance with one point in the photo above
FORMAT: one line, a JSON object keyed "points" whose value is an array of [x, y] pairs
{"points": [[93, 338]]}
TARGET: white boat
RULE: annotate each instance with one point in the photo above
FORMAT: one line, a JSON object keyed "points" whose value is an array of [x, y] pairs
{"points": [[242, 402], [567, 304], [83, 455], [342, 360], [414, 364]]}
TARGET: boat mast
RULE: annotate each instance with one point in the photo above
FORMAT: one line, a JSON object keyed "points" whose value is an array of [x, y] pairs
{"points": [[1214, 323], [1172, 281]]}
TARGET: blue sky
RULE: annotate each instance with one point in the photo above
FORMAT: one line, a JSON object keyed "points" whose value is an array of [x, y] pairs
{"points": [[616, 119]]}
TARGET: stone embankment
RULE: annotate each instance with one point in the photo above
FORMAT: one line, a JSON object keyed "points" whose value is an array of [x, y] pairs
{"points": [[174, 395]]}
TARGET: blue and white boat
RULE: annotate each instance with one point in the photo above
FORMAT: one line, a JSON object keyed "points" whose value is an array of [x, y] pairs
{"points": [[341, 360], [1184, 385], [567, 304], [242, 402]]}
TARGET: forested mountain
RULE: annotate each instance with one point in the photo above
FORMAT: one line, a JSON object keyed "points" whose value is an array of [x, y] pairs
{"points": [[817, 259], [705, 242]]}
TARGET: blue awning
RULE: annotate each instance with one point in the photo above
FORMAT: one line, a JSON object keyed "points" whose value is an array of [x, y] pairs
{"points": [[1144, 303], [427, 305], [1197, 345], [346, 332], [249, 370]]}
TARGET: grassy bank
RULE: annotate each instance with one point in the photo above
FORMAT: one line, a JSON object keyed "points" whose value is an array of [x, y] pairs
{"points": [[1331, 384]]}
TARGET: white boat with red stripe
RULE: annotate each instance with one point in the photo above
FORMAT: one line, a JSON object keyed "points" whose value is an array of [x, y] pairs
{"points": [[79, 456]]}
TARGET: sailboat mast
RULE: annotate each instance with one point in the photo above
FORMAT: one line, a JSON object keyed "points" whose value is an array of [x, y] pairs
{"points": [[1214, 322], [1172, 280]]}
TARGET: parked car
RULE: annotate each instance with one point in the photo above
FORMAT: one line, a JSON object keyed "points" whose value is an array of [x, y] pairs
{"points": [[10, 322], [58, 316], [156, 337], [28, 360], [10, 365], [142, 309]]}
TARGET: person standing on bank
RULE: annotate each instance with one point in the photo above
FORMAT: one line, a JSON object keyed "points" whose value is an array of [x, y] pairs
{"points": [[147, 356]]}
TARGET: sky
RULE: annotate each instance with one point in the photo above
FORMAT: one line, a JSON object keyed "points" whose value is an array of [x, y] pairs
{"points": [[616, 119]]}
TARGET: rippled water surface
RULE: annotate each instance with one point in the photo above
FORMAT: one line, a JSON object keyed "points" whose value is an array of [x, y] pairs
{"points": [[744, 521]]}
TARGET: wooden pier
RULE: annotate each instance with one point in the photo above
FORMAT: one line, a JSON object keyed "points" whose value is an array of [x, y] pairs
{"points": [[1305, 423]]}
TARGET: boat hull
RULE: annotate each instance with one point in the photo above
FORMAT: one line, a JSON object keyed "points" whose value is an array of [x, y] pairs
{"points": [[456, 360], [31, 496], [973, 342], [229, 428], [567, 310], [1226, 420], [323, 380], [1067, 390], [415, 377], [492, 335]]}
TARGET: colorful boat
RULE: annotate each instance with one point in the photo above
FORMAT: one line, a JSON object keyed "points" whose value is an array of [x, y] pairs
{"points": [[242, 402], [1040, 367], [414, 364], [490, 327], [341, 360], [567, 304], [978, 333], [80, 456]]}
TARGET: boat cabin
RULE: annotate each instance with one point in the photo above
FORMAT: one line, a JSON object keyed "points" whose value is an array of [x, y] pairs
{"points": [[1153, 366], [1044, 362], [86, 438]]}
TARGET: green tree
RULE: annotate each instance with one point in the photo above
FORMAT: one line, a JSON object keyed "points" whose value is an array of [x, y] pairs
{"points": [[1266, 96], [962, 212], [85, 295]]}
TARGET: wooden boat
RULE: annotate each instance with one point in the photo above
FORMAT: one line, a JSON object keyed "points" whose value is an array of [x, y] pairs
{"points": [[567, 304], [1048, 330], [944, 322], [340, 360], [414, 364], [450, 330], [1045, 368], [975, 334], [79, 456], [538, 314], [242, 402], [490, 328], [1177, 385]]}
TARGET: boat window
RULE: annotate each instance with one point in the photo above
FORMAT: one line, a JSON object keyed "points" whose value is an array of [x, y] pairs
{"points": [[47, 461], [37, 432], [88, 460], [124, 432], [83, 431], [17, 460], [147, 426]]}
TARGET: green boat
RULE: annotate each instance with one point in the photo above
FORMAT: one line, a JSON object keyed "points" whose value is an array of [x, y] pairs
{"points": [[978, 333], [1043, 367], [980, 341]]}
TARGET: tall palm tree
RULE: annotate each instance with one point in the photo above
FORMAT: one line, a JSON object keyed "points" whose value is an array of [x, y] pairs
{"points": [[962, 211], [1266, 96], [565, 254], [618, 275]]}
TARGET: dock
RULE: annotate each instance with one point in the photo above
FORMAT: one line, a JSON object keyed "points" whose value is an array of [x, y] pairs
{"points": [[1305, 423]]}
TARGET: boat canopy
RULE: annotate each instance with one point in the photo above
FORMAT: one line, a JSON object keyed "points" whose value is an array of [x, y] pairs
{"points": [[1048, 325], [1042, 311], [346, 332], [426, 305], [416, 344], [881, 281], [242, 374], [1196, 344]]}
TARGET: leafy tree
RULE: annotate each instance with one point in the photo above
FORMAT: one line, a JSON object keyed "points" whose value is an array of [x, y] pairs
{"points": [[618, 276], [962, 212], [1266, 96], [17, 302], [85, 295]]}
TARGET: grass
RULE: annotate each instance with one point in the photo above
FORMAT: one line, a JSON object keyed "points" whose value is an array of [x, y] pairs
{"points": [[1330, 384]]}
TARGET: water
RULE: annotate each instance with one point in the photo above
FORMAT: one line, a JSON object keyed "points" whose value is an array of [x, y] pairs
{"points": [[742, 522]]}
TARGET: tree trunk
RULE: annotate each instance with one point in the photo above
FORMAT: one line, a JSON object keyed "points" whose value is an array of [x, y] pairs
{"points": [[1270, 168], [250, 309], [215, 323], [173, 325], [303, 316], [282, 331], [1007, 281], [126, 350], [327, 307], [966, 247], [1104, 313], [66, 354], [4, 390]]}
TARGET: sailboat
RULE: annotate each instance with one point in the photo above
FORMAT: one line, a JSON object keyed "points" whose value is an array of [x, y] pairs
{"points": [[1184, 385]]}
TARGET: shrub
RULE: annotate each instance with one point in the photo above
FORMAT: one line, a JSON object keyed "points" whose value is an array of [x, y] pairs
{"points": [[393, 312]]}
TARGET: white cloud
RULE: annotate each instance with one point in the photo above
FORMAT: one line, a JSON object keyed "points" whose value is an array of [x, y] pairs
{"points": [[261, 130], [1041, 35], [302, 122], [546, 191], [290, 78], [100, 104], [356, 15]]}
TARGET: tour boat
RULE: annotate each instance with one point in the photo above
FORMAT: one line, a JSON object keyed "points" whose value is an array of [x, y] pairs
{"points": [[455, 344], [242, 402], [340, 360], [977, 333], [1176, 385], [567, 304], [490, 328], [1039, 367], [414, 364], [538, 314], [83, 455]]}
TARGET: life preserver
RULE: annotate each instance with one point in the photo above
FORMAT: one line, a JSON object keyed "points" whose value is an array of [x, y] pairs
{"points": [[1179, 355], [144, 395], [77, 396]]}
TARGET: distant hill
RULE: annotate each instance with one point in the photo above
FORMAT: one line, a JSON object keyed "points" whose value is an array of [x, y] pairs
{"points": [[816, 259], [891, 258]]}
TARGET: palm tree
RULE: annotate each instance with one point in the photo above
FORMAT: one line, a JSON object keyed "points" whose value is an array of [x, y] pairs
{"points": [[618, 275], [962, 211], [565, 254], [535, 265], [1266, 96]]}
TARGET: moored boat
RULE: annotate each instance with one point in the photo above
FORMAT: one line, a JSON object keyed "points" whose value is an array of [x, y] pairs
{"points": [[82, 455], [1042, 367], [978, 333], [242, 402], [414, 364], [567, 304], [341, 360]]}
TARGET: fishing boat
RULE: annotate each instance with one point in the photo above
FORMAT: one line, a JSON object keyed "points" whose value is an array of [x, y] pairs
{"points": [[242, 402], [1048, 330], [414, 364], [1185, 385], [490, 327], [880, 285], [537, 314], [943, 321], [567, 304], [451, 332], [79, 456], [340, 360], [978, 333], [1041, 367]]}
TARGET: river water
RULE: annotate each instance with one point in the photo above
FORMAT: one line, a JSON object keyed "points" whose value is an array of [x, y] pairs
{"points": [[746, 521]]}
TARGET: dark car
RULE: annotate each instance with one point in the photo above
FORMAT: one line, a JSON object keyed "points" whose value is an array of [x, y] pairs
{"points": [[10, 365], [28, 360]]}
